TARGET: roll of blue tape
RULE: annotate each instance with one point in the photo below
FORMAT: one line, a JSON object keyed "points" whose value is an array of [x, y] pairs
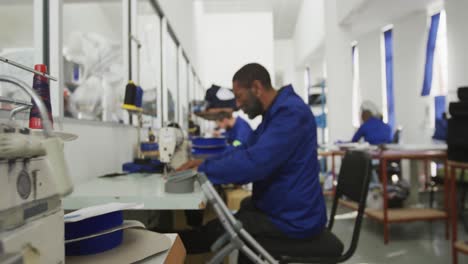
{"points": [[90, 226], [149, 146]]}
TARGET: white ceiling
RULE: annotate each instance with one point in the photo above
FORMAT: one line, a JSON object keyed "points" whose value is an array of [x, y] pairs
{"points": [[285, 12], [369, 15]]}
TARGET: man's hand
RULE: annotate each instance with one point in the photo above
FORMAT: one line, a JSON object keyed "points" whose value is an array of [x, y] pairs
{"points": [[191, 164]]}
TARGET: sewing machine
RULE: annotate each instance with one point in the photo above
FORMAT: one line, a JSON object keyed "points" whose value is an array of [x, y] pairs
{"points": [[33, 178], [173, 149]]}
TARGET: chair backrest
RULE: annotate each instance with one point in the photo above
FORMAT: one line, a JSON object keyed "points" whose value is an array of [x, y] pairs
{"points": [[353, 183]]}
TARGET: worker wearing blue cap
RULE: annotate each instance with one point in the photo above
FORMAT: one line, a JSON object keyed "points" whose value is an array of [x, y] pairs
{"points": [[373, 129], [222, 101], [280, 158]]}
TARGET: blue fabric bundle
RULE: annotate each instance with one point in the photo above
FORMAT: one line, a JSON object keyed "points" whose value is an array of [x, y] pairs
{"points": [[149, 166]]}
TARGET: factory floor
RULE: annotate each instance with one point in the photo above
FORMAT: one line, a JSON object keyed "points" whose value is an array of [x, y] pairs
{"points": [[417, 242]]}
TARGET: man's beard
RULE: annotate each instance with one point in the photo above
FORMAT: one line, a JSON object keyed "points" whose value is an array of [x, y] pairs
{"points": [[254, 107]]}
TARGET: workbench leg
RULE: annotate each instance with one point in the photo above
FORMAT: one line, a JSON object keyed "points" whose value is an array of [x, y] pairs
{"points": [[453, 214], [333, 173], [383, 170], [426, 176], [446, 198]]}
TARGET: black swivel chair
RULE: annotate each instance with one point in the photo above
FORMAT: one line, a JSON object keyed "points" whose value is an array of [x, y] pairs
{"points": [[353, 183]]}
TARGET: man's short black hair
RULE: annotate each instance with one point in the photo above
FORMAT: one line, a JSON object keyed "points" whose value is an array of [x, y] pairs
{"points": [[251, 72], [223, 115]]}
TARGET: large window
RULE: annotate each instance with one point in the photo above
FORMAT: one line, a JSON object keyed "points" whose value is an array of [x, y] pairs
{"points": [[440, 70], [191, 85], [183, 91], [17, 20], [356, 86], [435, 71], [148, 66], [389, 105], [171, 75], [94, 76], [94, 47]]}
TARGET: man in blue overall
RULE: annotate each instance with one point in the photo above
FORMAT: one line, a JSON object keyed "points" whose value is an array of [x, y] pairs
{"points": [[373, 129], [237, 129], [280, 158]]}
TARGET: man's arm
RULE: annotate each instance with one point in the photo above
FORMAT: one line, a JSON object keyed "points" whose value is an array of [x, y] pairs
{"points": [[271, 151], [359, 134]]}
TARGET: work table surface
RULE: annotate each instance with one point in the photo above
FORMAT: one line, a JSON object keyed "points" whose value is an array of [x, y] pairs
{"points": [[132, 188]]}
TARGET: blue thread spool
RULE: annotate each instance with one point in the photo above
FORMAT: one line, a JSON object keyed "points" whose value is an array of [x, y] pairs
{"points": [[41, 87], [139, 97], [130, 94]]}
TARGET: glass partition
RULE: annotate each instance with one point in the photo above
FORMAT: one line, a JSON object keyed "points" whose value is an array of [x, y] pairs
{"points": [[183, 92], [171, 78], [93, 65], [149, 69], [16, 43]]}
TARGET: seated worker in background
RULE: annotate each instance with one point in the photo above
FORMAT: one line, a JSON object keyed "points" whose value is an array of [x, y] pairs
{"points": [[373, 129], [280, 158], [237, 129]]}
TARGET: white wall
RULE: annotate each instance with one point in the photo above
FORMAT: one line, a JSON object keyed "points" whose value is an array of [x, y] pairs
{"points": [[100, 148], [309, 32], [347, 9], [457, 38], [339, 75], [316, 67], [370, 67], [231, 40], [410, 37], [284, 62]]}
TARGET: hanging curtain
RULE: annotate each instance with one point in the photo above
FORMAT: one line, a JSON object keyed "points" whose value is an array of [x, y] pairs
{"points": [[431, 46], [388, 38]]}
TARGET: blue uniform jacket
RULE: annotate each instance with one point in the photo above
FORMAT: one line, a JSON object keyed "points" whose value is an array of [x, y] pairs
{"points": [[281, 161], [239, 134], [374, 131]]}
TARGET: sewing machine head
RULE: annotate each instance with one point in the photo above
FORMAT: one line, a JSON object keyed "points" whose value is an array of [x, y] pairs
{"points": [[169, 140], [33, 178]]}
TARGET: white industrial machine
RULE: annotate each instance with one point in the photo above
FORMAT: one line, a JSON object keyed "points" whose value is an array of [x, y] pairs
{"points": [[173, 149], [33, 178]]}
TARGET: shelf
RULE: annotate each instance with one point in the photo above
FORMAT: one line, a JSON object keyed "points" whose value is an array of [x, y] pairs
{"points": [[401, 214]]}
